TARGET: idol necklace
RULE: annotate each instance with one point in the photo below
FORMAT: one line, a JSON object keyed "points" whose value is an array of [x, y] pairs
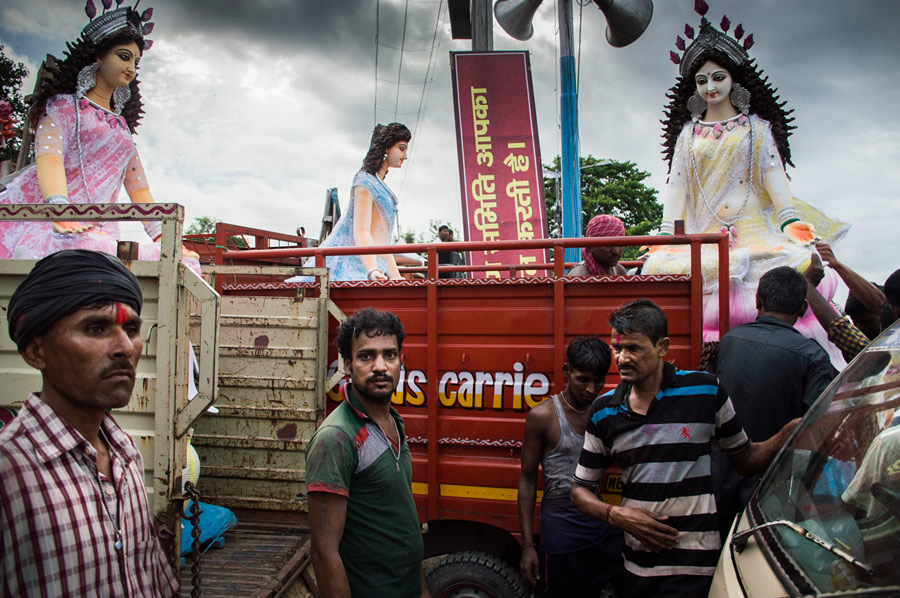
{"points": [[107, 493]]}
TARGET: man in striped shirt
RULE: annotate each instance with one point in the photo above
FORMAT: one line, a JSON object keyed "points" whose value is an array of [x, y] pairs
{"points": [[74, 519], [657, 425]]}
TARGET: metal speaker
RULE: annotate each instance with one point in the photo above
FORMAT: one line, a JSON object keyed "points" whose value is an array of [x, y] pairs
{"points": [[515, 17], [626, 20]]}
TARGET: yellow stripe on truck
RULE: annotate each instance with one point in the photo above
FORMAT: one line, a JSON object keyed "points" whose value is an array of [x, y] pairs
{"points": [[488, 492]]}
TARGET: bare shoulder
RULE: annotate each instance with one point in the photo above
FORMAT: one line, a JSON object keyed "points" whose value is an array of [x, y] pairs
{"points": [[579, 270], [541, 415]]}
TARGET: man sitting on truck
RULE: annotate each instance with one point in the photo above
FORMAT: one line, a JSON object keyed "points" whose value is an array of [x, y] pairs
{"points": [[364, 529], [74, 518], [601, 261], [580, 555], [657, 425]]}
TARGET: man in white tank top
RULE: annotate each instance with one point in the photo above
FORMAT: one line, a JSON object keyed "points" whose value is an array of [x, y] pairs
{"points": [[577, 555]]}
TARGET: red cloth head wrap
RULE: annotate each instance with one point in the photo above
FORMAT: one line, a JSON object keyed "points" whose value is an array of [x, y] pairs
{"points": [[603, 225]]}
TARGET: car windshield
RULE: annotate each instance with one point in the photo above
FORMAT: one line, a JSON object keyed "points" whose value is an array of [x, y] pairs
{"points": [[839, 478]]}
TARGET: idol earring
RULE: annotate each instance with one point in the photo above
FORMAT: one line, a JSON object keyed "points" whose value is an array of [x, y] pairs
{"points": [[696, 106], [86, 80], [120, 96], [740, 99]]}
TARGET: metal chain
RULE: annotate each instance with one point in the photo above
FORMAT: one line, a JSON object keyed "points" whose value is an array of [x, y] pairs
{"points": [[194, 518]]}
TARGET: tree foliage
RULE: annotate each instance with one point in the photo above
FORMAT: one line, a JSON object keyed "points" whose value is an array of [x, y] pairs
{"points": [[202, 225], [12, 75], [608, 187]]}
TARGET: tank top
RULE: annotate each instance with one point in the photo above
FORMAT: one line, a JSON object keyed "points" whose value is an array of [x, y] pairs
{"points": [[564, 528], [559, 464]]}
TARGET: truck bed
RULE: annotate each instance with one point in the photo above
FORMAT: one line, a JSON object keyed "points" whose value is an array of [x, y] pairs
{"points": [[258, 560]]}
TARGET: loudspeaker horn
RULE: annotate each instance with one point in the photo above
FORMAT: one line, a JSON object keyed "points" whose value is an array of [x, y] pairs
{"points": [[626, 20], [515, 17]]}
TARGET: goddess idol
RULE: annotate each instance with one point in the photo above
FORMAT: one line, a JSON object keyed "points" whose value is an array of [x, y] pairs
{"points": [[372, 214], [726, 142], [84, 112]]}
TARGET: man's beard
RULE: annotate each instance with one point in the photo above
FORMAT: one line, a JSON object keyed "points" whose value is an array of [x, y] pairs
{"points": [[377, 396]]}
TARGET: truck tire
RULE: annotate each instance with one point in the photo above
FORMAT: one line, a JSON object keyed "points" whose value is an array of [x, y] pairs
{"points": [[475, 575]]}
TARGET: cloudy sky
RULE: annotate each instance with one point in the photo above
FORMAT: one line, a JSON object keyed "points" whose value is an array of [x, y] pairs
{"points": [[255, 108]]}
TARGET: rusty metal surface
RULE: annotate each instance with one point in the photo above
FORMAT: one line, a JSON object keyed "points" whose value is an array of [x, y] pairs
{"points": [[255, 562], [253, 450]]}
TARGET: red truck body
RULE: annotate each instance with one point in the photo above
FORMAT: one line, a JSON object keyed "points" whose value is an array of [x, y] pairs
{"points": [[479, 353]]}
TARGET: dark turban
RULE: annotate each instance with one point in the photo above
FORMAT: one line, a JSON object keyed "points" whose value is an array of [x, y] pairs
{"points": [[64, 282]]}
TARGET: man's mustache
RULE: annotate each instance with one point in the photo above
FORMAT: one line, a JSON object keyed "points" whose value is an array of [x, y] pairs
{"points": [[379, 378]]}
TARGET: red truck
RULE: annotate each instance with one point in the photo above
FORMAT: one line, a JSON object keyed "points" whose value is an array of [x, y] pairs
{"points": [[479, 353]]}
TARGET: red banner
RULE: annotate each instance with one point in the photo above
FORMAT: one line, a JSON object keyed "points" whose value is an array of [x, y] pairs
{"points": [[500, 168]]}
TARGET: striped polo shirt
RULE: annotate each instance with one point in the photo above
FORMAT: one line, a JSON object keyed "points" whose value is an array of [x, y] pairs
{"points": [[665, 461]]}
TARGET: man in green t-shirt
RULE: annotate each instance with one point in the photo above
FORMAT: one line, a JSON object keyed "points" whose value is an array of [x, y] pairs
{"points": [[366, 539]]}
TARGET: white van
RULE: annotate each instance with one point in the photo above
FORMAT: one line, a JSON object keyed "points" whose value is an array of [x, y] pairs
{"points": [[825, 519]]}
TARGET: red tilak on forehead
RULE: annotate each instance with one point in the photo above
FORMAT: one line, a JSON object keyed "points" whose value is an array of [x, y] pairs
{"points": [[618, 338], [121, 313]]}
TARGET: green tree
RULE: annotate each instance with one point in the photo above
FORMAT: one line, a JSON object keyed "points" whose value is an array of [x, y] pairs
{"points": [[12, 75], [608, 187], [202, 225], [206, 225]]}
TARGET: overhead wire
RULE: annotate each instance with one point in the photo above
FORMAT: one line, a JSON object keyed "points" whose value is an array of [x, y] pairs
{"points": [[400, 67], [426, 86], [377, 24], [437, 22]]}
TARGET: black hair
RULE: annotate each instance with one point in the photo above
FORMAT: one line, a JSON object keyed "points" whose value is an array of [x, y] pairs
{"points": [[641, 316], [371, 322], [442, 227], [855, 308], [590, 355], [892, 288], [60, 76], [764, 102], [383, 138], [782, 290]]}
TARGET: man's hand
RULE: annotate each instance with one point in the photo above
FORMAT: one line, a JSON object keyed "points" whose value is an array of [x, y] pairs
{"points": [[646, 526], [815, 272], [185, 252], [827, 254], [528, 565]]}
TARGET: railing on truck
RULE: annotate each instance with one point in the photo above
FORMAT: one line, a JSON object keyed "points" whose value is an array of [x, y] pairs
{"points": [[479, 354]]}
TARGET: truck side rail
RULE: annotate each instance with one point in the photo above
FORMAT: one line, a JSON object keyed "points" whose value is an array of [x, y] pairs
{"points": [[434, 291]]}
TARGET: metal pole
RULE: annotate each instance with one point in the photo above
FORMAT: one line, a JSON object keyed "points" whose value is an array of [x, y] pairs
{"points": [[571, 179], [482, 26]]}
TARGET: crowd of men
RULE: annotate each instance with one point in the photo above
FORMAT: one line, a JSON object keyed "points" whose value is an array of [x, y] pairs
{"points": [[74, 519]]}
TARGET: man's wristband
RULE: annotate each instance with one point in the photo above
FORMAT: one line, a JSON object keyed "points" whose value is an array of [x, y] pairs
{"points": [[529, 545], [609, 514]]}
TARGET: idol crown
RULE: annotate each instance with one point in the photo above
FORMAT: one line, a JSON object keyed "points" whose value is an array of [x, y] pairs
{"points": [[710, 38], [115, 21]]}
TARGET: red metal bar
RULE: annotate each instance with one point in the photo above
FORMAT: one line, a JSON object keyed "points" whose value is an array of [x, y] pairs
{"points": [[434, 482], [696, 303], [559, 314], [269, 254], [548, 266], [724, 288]]}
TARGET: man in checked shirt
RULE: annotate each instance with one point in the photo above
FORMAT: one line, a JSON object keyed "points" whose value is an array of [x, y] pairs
{"points": [[74, 519]]}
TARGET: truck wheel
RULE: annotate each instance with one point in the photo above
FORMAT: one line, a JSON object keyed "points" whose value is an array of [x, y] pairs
{"points": [[475, 575]]}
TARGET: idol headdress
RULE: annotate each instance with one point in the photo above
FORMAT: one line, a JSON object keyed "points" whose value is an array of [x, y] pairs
{"points": [[710, 38], [115, 21]]}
